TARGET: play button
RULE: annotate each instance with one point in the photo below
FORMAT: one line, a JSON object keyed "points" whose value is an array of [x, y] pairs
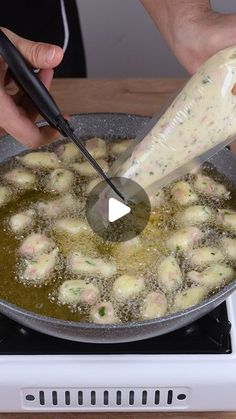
{"points": [[113, 219], [116, 210]]}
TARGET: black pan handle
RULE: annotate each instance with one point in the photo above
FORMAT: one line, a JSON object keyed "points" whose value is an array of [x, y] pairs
{"points": [[27, 80]]}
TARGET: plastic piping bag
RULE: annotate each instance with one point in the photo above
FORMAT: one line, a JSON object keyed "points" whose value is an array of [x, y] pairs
{"points": [[197, 124]]}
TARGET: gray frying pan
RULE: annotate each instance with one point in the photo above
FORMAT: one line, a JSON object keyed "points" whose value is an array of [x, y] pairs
{"points": [[113, 127]]}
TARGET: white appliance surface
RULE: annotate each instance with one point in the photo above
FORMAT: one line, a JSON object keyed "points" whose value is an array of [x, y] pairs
{"points": [[120, 382]]}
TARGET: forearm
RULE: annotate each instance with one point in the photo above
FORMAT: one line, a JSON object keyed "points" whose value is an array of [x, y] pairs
{"points": [[168, 15], [192, 29]]}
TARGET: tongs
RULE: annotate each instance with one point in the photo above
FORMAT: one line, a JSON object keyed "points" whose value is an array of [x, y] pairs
{"points": [[27, 80]]}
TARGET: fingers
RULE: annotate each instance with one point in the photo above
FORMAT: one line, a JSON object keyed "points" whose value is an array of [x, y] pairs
{"points": [[233, 147], [234, 89], [17, 113], [38, 54], [16, 122], [22, 100]]}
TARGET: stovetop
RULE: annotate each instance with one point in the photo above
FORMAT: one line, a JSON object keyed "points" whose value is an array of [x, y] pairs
{"points": [[208, 335]]}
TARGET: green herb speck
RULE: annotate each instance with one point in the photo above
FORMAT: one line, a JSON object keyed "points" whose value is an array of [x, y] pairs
{"points": [[90, 263], [206, 80], [102, 311]]}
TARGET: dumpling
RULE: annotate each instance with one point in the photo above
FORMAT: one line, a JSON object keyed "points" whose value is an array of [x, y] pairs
{"points": [[80, 264], [104, 313], [78, 291], [154, 305], [169, 275], [189, 297], [60, 180], [209, 187], [120, 147], [157, 199], [227, 218], [5, 195], [182, 240], [22, 220], [68, 153], [92, 185], [56, 207], [97, 148], [204, 256], [126, 249], [71, 226], [35, 244], [228, 247], [85, 168], [212, 277], [39, 270], [40, 160], [21, 178], [127, 287], [183, 193], [195, 215]]}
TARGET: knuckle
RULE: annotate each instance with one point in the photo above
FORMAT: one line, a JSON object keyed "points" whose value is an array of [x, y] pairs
{"points": [[35, 53]]}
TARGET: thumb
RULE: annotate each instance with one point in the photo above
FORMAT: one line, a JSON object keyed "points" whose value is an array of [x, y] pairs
{"points": [[38, 54]]}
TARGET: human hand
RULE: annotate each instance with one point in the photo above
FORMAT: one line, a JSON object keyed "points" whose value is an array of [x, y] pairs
{"points": [[18, 115], [192, 29]]}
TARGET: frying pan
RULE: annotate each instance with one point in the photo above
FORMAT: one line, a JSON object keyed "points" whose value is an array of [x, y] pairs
{"points": [[113, 127]]}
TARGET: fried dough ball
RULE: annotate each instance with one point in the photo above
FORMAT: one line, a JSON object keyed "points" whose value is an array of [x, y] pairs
{"points": [[68, 153], [60, 180], [195, 215], [189, 297], [85, 169], [154, 305], [5, 195], [182, 240], [78, 291], [40, 160], [22, 220], [169, 275], [127, 287], [212, 277], [35, 244], [183, 193], [104, 313], [21, 178], [80, 264], [209, 187], [39, 269]]}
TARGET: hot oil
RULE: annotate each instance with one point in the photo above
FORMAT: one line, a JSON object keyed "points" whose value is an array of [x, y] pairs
{"points": [[141, 258]]}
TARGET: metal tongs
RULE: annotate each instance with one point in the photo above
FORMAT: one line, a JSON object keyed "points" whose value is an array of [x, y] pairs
{"points": [[27, 80]]}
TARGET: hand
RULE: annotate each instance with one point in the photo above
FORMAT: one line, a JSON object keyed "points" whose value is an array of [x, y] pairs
{"points": [[17, 116], [192, 29]]}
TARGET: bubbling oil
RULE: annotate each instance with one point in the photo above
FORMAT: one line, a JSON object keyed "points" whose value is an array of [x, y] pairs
{"points": [[141, 259]]}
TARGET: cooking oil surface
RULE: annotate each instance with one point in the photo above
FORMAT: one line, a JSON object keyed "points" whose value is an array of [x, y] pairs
{"points": [[141, 259]]}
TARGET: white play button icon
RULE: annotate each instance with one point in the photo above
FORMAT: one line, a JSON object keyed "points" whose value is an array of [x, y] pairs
{"points": [[116, 210], [111, 218]]}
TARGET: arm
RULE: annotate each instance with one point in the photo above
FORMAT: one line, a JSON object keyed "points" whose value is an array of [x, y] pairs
{"points": [[192, 29], [17, 115]]}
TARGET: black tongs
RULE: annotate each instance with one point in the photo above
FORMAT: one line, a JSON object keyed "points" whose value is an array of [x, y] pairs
{"points": [[27, 80]]}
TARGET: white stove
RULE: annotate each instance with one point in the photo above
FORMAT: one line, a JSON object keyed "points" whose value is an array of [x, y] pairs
{"points": [[40, 373]]}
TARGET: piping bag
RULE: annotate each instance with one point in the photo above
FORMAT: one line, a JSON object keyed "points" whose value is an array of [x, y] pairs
{"points": [[25, 78], [199, 122]]}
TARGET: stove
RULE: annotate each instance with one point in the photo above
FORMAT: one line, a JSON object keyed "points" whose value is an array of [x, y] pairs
{"points": [[192, 369]]}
